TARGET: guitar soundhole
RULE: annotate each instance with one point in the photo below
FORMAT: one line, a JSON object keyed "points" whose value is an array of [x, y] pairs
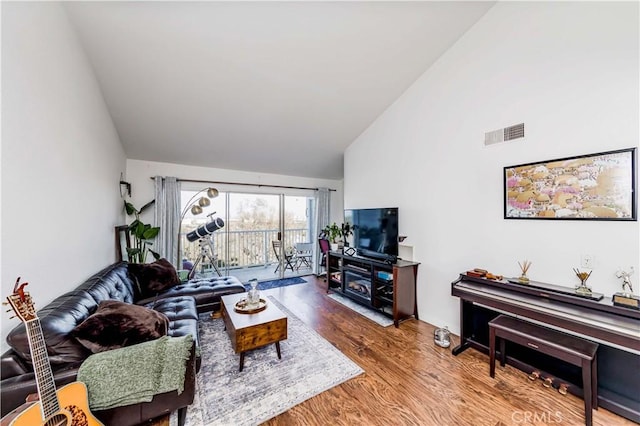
{"points": [[74, 413], [57, 420]]}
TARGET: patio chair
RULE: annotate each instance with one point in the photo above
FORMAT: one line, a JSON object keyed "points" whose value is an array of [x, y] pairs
{"points": [[289, 259], [304, 253]]}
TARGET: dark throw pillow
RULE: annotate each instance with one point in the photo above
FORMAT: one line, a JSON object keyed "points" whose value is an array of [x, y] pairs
{"points": [[153, 278], [117, 324]]}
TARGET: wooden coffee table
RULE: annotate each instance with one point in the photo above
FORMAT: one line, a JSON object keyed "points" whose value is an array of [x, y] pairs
{"points": [[252, 331]]}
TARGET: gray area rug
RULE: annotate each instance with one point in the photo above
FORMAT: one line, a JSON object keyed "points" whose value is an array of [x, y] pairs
{"points": [[374, 316], [267, 386]]}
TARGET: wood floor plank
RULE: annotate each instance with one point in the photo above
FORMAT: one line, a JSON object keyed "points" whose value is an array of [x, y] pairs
{"points": [[409, 380]]}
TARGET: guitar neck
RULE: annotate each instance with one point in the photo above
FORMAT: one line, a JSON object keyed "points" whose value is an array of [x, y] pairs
{"points": [[44, 376]]}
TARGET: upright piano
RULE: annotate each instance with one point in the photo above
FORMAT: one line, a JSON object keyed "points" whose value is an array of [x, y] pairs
{"points": [[616, 330]]}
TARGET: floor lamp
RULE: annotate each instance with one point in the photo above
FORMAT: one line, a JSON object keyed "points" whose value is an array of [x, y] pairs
{"points": [[195, 204]]}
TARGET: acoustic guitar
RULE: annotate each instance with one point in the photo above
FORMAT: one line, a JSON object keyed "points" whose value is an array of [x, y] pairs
{"points": [[68, 406]]}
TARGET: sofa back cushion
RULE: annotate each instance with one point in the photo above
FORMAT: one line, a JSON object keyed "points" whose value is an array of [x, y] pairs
{"points": [[153, 278], [64, 313], [112, 283]]}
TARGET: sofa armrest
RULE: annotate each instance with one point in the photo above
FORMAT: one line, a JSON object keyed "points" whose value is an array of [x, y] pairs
{"points": [[12, 365], [15, 390]]}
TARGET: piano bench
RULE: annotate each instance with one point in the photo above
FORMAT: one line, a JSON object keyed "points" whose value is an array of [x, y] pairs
{"points": [[568, 348]]}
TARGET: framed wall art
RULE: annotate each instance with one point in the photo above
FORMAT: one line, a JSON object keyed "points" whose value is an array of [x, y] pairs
{"points": [[598, 186]]}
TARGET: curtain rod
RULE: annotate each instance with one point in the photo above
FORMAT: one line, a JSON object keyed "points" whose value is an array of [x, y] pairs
{"points": [[245, 184]]}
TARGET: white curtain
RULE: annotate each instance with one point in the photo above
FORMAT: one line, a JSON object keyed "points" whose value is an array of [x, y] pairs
{"points": [[323, 202], [167, 217]]}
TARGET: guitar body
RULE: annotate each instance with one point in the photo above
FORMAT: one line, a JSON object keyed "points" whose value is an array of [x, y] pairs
{"points": [[74, 410]]}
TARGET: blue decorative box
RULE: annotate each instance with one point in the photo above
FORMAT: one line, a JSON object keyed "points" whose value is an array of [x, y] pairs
{"points": [[387, 276]]}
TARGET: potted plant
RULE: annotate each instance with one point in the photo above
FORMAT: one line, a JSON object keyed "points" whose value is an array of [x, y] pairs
{"points": [[333, 232], [142, 234]]}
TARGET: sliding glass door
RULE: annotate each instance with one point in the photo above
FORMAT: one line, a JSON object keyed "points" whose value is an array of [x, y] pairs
{"points": [[265, 236]]}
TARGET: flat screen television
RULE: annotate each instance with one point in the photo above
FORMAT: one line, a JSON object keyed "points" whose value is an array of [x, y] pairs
{"points": [[375, 232]]}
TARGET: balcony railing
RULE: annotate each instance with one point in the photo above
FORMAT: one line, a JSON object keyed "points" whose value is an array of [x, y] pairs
{"points": [[246, 248]]}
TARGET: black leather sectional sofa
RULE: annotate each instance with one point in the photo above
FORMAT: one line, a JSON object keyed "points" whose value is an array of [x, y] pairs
{"points": [[181, 304]]}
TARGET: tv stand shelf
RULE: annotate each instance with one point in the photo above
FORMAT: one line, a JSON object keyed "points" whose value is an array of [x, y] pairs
{"points": [[357, 278]]}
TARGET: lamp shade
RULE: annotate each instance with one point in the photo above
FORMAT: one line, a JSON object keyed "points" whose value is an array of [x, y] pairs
{"points": [[212, 193], [196, 210], [204, 202]]}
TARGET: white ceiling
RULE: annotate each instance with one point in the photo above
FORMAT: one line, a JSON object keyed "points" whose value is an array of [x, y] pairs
{"points": [[272, 87]]}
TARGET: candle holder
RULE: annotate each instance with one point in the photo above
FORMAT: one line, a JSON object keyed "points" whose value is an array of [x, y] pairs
{"points": [[524, 267], [583, 276]]}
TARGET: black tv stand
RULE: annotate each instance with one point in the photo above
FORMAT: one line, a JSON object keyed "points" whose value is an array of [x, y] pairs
{"points": [[381, 284]]}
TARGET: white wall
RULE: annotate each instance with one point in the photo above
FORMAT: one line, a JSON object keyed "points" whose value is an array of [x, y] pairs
{"points": [[139, 173], [569, 71], [61, 158]]}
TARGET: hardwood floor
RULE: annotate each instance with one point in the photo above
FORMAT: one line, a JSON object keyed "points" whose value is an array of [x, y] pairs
{"points": [[409, 380]]}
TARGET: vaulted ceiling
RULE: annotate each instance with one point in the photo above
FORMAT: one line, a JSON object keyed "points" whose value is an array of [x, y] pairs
{"points": [[271, 87]]}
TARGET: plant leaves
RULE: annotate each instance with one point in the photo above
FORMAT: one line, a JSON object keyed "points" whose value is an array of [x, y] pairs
{"points": [[156, 255], [146, 206], [141, 232], [129, 208], [138, 231], [150, 233]]}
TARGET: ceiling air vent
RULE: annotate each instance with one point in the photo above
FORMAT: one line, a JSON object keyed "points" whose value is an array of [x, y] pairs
{"points": [[502, 135]]}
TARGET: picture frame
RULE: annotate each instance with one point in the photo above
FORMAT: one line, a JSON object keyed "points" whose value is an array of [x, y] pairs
{"points": [[123, 242], [600, 186]]}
